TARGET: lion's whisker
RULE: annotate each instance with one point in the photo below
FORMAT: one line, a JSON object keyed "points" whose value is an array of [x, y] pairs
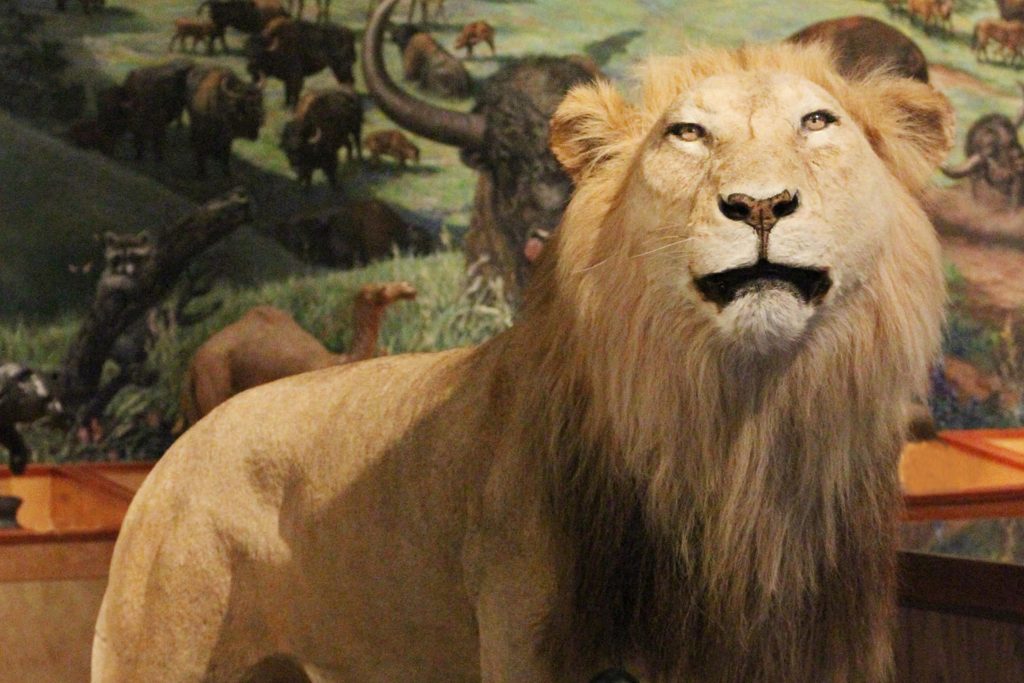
{"points": [[664, 246]]}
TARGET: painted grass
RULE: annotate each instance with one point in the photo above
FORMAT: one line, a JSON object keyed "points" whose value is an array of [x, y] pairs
{"points": [[440, 317]]}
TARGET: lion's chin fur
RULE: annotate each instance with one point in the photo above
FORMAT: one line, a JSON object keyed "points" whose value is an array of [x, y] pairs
{"points": [[764, 322]]}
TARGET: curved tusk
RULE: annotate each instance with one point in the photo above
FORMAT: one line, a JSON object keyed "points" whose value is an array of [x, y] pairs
{"points": [[437, 123], [316, 137], [965, 169]]}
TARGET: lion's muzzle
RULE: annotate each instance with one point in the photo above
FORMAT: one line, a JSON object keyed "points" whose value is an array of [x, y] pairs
{"points": [[810, 284]]}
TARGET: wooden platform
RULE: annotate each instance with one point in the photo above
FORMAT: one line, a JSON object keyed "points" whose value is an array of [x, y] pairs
{"points": [[948, 479]]}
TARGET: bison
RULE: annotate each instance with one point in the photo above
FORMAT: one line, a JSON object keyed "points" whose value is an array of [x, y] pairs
{"points": [[932, 13], [323, 9], [1007, 34], [111, 123], [431, 66], [473, 34], [995, 157], [1011, 9], [196, 29], [291, 50], [153, 97], [392, 143], [221, 107], [351, 234], [324, 122], [862, 44], [247, 16], [521, 187]]}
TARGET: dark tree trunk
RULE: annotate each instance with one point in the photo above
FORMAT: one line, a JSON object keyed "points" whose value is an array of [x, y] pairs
{"points": [[112, 312]]}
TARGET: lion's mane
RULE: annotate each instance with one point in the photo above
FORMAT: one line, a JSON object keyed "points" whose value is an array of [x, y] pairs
{"points": [[722, 517]]}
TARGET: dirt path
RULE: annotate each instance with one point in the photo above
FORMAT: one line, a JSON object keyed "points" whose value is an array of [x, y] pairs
{"points": [[994, 275]]}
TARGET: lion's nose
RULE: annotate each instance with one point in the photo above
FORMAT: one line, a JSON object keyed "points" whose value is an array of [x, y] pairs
{"points": [[760, 214]]}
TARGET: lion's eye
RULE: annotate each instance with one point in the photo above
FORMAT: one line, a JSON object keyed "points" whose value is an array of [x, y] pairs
{"points": [[818, 120], [687, 131]]}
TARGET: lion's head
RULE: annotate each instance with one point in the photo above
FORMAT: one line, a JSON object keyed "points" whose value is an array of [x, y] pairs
{"points": [[756, 189], [741, 298]]}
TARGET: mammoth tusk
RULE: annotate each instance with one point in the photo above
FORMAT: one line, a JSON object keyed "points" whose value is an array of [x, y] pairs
{"points": [[275, 44], [316, 137], [965, 169], [261, 82], [1020, 114], [447, 126]]}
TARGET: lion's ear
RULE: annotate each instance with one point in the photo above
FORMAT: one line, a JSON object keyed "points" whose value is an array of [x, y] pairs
{"points": [[586, 126], [911, 126]]}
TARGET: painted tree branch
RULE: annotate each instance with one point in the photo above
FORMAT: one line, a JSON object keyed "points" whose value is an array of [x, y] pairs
{"points": [[113, 311]]}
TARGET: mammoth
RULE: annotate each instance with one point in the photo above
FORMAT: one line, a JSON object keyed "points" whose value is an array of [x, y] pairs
{"points": [[25, 396], [520, 186], [995, 158]]}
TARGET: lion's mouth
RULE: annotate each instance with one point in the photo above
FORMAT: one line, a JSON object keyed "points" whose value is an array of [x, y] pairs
{"points": [[810, 284]]}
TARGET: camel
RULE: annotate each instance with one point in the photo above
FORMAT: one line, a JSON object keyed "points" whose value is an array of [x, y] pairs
{"points": [[267, 344]]}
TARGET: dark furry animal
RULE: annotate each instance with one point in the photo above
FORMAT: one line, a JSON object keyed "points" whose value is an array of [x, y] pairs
{"points": [[521, 188], [325, 121], [863, 44], [351, 234], [427, 63], [994, 157], [247, 16], [292, 50], [25, 396], [221, 107], [153, 97], [196, 29]]}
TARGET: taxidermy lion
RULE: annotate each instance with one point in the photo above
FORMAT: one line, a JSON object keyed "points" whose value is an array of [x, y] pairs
{"points": [[680, 461]]}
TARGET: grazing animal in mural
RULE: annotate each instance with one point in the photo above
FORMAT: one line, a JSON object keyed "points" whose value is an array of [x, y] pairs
{"points": [[429, 65], [297, 9], [473, 34], [292, 50], [1008, 35], [267, 344], [994, 158], [87, 5], [353, 233], [932, 13], [864, 44], [324, 122], [221, 107], [391, 143], [680, 460], [247, 16], [26, 395], [89, 134], [520, 186], [196, 29], [1011, 9], [154, 97]]}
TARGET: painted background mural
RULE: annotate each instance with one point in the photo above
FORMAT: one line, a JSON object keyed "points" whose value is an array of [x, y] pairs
{"points": [[100, 169]]}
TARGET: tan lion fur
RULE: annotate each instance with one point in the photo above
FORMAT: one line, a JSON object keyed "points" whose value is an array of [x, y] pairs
{"points": [[618, 480]]}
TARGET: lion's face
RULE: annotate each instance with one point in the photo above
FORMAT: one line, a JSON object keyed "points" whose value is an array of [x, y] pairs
{"points": [[756, 192], [774, 198]]}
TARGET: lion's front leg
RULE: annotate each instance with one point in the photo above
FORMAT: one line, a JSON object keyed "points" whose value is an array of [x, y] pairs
{"points": [[510, 613]]}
